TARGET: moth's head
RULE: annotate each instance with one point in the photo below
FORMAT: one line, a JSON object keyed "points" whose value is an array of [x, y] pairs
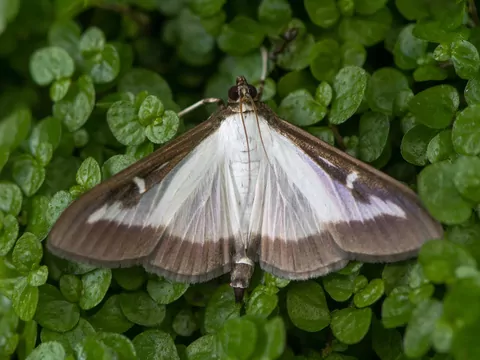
{"points": [[242, 92]]}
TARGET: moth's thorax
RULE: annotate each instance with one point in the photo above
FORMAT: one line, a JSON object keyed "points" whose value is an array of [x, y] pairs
{"points": [[244, 152]]}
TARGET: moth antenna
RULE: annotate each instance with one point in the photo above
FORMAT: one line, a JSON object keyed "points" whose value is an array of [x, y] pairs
{"points": [[259, 131], [246, 138], [202, 102]]}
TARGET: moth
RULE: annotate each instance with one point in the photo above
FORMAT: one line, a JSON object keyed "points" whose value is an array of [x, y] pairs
{"points": [[243, 187]]}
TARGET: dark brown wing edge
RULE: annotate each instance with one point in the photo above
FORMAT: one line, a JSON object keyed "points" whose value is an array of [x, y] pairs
{"points": [[386, 239], [105, 244]]}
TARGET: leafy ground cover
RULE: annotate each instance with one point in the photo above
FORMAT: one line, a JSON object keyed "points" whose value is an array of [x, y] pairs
{"points": [[89, 87]]}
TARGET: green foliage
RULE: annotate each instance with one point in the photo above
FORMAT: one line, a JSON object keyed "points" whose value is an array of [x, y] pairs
{"points": [[90, 87]]}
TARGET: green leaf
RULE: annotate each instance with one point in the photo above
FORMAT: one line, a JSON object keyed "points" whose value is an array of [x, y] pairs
{"points": [[164, 291], [130, 278], [184, 323], [163, 128], [367, 7], [123, 122], [429, 73], [435, 106], [155, 345], [397, 308], [71, 287], [384, 86], [89, 173], [206, 8], [92, 348], [274, 15], [349, 86], [373, 135], [323, 13], [8, 234], [10, 198], [466, 131], [465, 343], [57, 204], [54, 312], [14, 127], [409, 49], [28, 174], [65, 34], [413, 9], [366, 30], [297, 55], [467, 177], [48, 130], [138, 80], [59, 89], [95, 286], [51, 350], [70, 339], [441, 147], [150, 109], [4, 155], [301, 109], [104, 66], [440, 196], [465, 59], [110, 317], [415, 143], [140, 308], [220, 308], [38, 277], [419, 331], [24, 300], [472, 91], [466, 235], [324, 93], [9, 12], [353, 54], [262, 301], [27, 253], [339, 287], [369, 294], [75, 108], [435, 31], [325, 59], [92, 41], [440, 259], [386, 343], [350, 325], [139, 151], [324, 133], [240, 36], [460, 302], [307, 306], [116, 164], [276, 338], [122, 345], [49, 64], [238, 338]]}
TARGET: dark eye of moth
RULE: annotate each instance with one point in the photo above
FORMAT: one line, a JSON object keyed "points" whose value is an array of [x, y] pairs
{"points": [[233, 93], [252, 91]]}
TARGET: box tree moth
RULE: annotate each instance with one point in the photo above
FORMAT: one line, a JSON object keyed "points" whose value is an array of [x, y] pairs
{"points": [[244, 187]]}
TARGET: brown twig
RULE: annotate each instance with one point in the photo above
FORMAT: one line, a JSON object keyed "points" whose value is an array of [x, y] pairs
{"points": [[472, 9], [338, 137]]}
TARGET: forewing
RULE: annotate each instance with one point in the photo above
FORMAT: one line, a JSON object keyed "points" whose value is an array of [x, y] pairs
{"points": [[323, 207], [147, 214]]}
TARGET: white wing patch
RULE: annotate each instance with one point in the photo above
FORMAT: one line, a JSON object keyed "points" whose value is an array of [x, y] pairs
{"points": [[286, 195]]}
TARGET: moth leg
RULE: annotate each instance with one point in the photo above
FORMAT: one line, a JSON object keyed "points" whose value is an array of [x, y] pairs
{"points": [[263, 76], [217, 101]]}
